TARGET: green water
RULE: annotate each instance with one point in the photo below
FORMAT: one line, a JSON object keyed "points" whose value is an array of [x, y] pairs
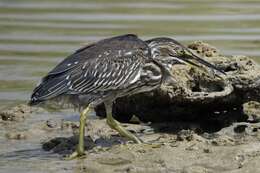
{"points": [[36, 34]]}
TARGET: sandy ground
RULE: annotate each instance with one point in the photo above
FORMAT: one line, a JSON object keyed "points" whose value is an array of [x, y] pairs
{"points": [[34, 140]]}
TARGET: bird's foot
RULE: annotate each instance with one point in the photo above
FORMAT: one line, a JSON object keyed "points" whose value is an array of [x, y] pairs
{"points": [[75, 155], [136, 139]]}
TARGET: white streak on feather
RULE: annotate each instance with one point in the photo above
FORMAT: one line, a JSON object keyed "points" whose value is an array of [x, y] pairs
{"points": [[95, 73], [96, 66], [108, 74], [85, 75], [129, 73], [128, 53], [68, 84], [84, 66], [136, 78]]}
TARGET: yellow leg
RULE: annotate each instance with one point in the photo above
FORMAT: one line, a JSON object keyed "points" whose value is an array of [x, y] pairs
{"points": [[80, 147], [114, 124]]}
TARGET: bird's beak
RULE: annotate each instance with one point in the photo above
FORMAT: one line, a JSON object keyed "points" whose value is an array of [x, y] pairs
{"points": [[195, 61]]}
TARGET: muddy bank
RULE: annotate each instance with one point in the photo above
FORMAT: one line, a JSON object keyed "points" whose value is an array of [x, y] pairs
{"points": [[39, 142]]}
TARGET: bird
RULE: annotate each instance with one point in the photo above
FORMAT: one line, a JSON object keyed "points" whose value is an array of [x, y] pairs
{"points": [[109, 69]]}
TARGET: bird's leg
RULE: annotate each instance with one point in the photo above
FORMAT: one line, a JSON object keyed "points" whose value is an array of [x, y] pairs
{"points": [[114, 124], [81, 147]]}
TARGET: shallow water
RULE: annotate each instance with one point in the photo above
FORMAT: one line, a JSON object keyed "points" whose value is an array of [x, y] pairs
{"points": [[27, 155]]}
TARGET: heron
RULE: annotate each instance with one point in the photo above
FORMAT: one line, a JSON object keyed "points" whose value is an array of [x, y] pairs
{"points": [[108, 69]]}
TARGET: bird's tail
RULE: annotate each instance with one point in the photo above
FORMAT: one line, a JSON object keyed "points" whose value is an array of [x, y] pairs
{"points": [[49, 88]]}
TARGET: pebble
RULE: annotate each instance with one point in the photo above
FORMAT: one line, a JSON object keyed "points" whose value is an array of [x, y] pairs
{"points": [[51, 123], [15, 135]]}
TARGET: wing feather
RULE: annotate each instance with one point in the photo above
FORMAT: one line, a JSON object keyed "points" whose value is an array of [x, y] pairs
{"points": [[111, 76], [103, 66]]}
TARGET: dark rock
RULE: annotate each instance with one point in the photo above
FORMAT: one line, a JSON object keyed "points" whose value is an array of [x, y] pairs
{"points": [[252, 110], [63, 145], [240, 128], [18, 113], [185, 135], [51, 123]]}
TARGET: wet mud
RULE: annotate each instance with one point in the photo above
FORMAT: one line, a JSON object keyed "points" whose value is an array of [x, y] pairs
{"points": [[40, 140]]}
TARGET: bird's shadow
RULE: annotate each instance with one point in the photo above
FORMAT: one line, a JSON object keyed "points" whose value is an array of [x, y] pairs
{"points": [[209, 124], [66, 145], [59, 146]]}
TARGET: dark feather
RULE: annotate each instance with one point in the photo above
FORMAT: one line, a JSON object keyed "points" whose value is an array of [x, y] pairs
{"points": [[102, 66]]}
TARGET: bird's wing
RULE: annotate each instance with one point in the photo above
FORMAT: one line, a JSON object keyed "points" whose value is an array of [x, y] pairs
{"points": [[108, 74], [105, 65], [127, 42]]}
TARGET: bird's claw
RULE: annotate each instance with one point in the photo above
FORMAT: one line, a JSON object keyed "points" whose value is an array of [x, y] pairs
{"points": [[75, 155], [138, 140]]}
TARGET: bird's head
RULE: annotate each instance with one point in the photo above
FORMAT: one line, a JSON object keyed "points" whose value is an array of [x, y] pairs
{"points": [[168, 52]]}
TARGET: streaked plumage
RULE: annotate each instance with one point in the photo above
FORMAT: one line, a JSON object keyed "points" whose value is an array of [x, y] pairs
{"points": [[108, 69]]}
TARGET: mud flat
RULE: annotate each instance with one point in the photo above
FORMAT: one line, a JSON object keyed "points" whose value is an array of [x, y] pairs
{"points": [[39, 142], [202, 125]]}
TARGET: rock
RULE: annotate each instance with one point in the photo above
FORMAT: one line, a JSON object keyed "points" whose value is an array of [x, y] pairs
{"points": [[240, 128], [16, 135], [51, 124], [69, 125], [185, 135], [18, 113], [207, 150], [204, 49], [252, 110], [223, 140]]}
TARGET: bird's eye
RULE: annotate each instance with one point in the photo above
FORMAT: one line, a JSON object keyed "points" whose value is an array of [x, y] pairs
{"points": [[179, 50]]}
